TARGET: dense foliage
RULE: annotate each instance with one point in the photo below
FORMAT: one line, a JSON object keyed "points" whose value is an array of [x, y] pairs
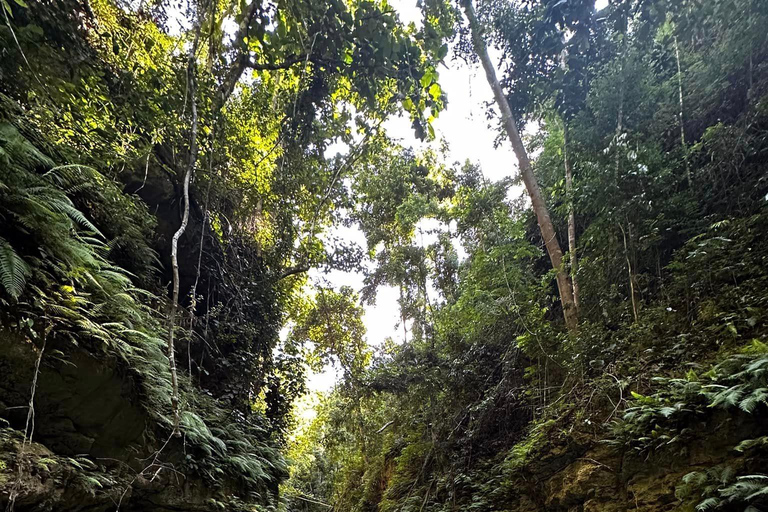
{"points": [[166, 183], [666, 110], [164, 190]]}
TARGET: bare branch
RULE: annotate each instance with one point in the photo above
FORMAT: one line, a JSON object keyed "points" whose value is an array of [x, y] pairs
{"points": [[292, 271]]}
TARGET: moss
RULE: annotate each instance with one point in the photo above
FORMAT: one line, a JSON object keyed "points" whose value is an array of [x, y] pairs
{"points": [[521, 452]]}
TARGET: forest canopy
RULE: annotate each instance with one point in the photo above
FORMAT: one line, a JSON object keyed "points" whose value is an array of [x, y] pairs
{"points": [[178, 181]]}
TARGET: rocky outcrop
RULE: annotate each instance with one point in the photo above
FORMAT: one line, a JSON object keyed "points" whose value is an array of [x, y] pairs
{"points": [[93, 445], [595, 476], [84, 404]]}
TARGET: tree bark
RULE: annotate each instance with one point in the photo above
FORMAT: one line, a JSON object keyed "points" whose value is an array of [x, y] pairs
{"points": [[529, 179], [682, 125], [183, 227], [571, 218], [630, 272]]}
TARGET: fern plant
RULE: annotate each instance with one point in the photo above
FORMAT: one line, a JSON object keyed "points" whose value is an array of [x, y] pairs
{"points": [[740, 384], [13, 270], [719, 488], [57, 269]]}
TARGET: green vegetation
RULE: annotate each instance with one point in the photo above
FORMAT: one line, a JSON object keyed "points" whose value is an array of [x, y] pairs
{"points": [[592, 336], [491, 404], [103, 119]]}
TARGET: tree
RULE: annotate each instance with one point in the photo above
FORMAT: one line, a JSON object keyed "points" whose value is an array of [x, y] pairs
{"points": [[333, 328], [529, 179]]}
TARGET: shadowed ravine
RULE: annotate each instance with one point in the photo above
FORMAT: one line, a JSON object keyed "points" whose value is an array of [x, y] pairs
{"points": [[383, 256]]}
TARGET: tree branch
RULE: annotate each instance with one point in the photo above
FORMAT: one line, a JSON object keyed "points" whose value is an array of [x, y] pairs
{"points": [[386, 425], [241, 60], [292, 271], [273, 66]]}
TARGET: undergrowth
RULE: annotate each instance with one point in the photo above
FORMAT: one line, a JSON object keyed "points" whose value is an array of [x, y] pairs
{"points": [[58, 280]]}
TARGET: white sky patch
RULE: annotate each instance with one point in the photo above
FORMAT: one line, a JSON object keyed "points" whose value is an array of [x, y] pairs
{"points": [[463, 124]]}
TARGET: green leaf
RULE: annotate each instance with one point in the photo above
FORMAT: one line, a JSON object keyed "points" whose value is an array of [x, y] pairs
{"points": [[13, 270], [435, 91], [426, 78]]}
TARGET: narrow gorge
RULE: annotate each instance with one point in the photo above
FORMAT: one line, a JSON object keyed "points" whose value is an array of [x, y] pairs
{"points": [[383, 256]]}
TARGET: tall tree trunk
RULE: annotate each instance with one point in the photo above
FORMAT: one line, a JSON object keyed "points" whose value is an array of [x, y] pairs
{"points": [[526, 170], [571, 218], [682, 122], [750, 64], [620, 114], [192, 91], [630, 272]]}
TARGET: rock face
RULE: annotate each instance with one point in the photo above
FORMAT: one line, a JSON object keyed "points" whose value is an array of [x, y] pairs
{"points": [[599, 477], [93, 446], [82, 406]]}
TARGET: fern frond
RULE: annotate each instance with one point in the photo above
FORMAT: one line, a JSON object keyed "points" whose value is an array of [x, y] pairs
{"points": [[708, 504], [748, 444], [728, 397], [13, 270], [66, 207], [757, 397], [72, 175]]}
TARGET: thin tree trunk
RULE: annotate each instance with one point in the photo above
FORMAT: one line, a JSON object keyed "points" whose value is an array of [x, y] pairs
{"points": [[682, 122], [571, 218], [620, 115], [183, 227], [630, 272], [193, 292], [526, 170]]}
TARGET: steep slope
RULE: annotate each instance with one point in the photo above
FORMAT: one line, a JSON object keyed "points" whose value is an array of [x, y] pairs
{"points": [[85, 396], [658, 401]]}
